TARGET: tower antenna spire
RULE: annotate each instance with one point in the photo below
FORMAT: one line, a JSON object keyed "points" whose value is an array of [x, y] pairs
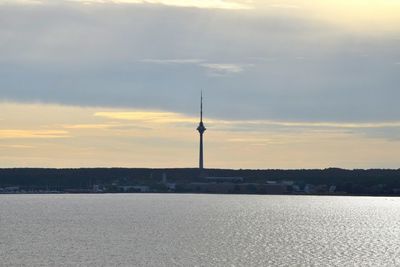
{"points": [[201, 105]]}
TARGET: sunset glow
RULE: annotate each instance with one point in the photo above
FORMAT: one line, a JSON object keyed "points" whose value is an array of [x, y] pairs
{"points": [[287, 84]]}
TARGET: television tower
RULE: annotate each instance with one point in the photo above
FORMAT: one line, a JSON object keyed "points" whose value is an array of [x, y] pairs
{"points": [[201, 129]]}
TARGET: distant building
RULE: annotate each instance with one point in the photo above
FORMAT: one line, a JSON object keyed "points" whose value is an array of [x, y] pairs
{"points": [[332, 189], [225, 179], [290, 183], [309, 189], [164, 178], [274, 189], [11, 189], [134, 188], [98, 188], [296, 188], [171, 186], [236, 188], [211, 187]]}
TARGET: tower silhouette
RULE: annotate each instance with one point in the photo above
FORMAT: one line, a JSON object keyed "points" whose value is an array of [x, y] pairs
{"points": [[201, 129]]}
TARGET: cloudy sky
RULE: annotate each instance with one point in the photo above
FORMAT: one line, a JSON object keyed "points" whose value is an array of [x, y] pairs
{"points": [[287, 83]]}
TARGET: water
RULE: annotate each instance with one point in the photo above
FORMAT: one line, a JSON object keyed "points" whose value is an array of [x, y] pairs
{"points": [[198, 230]]}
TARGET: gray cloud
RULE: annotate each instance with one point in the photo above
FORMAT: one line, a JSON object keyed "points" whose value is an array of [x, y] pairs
{"points": [[218, 69], [155, 57], [173, 61]]}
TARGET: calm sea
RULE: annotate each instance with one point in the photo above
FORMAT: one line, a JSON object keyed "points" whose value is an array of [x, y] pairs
{"points": [[198, 230]]}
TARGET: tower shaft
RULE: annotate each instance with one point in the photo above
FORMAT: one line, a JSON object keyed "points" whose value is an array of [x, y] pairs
{"points": [[201, 160]]}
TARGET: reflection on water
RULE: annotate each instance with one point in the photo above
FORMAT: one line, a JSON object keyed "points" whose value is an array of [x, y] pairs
{"points": [[201, 230]]}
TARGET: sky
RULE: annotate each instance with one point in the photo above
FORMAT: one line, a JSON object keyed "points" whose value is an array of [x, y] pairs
{"points": [[116, 83]]}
